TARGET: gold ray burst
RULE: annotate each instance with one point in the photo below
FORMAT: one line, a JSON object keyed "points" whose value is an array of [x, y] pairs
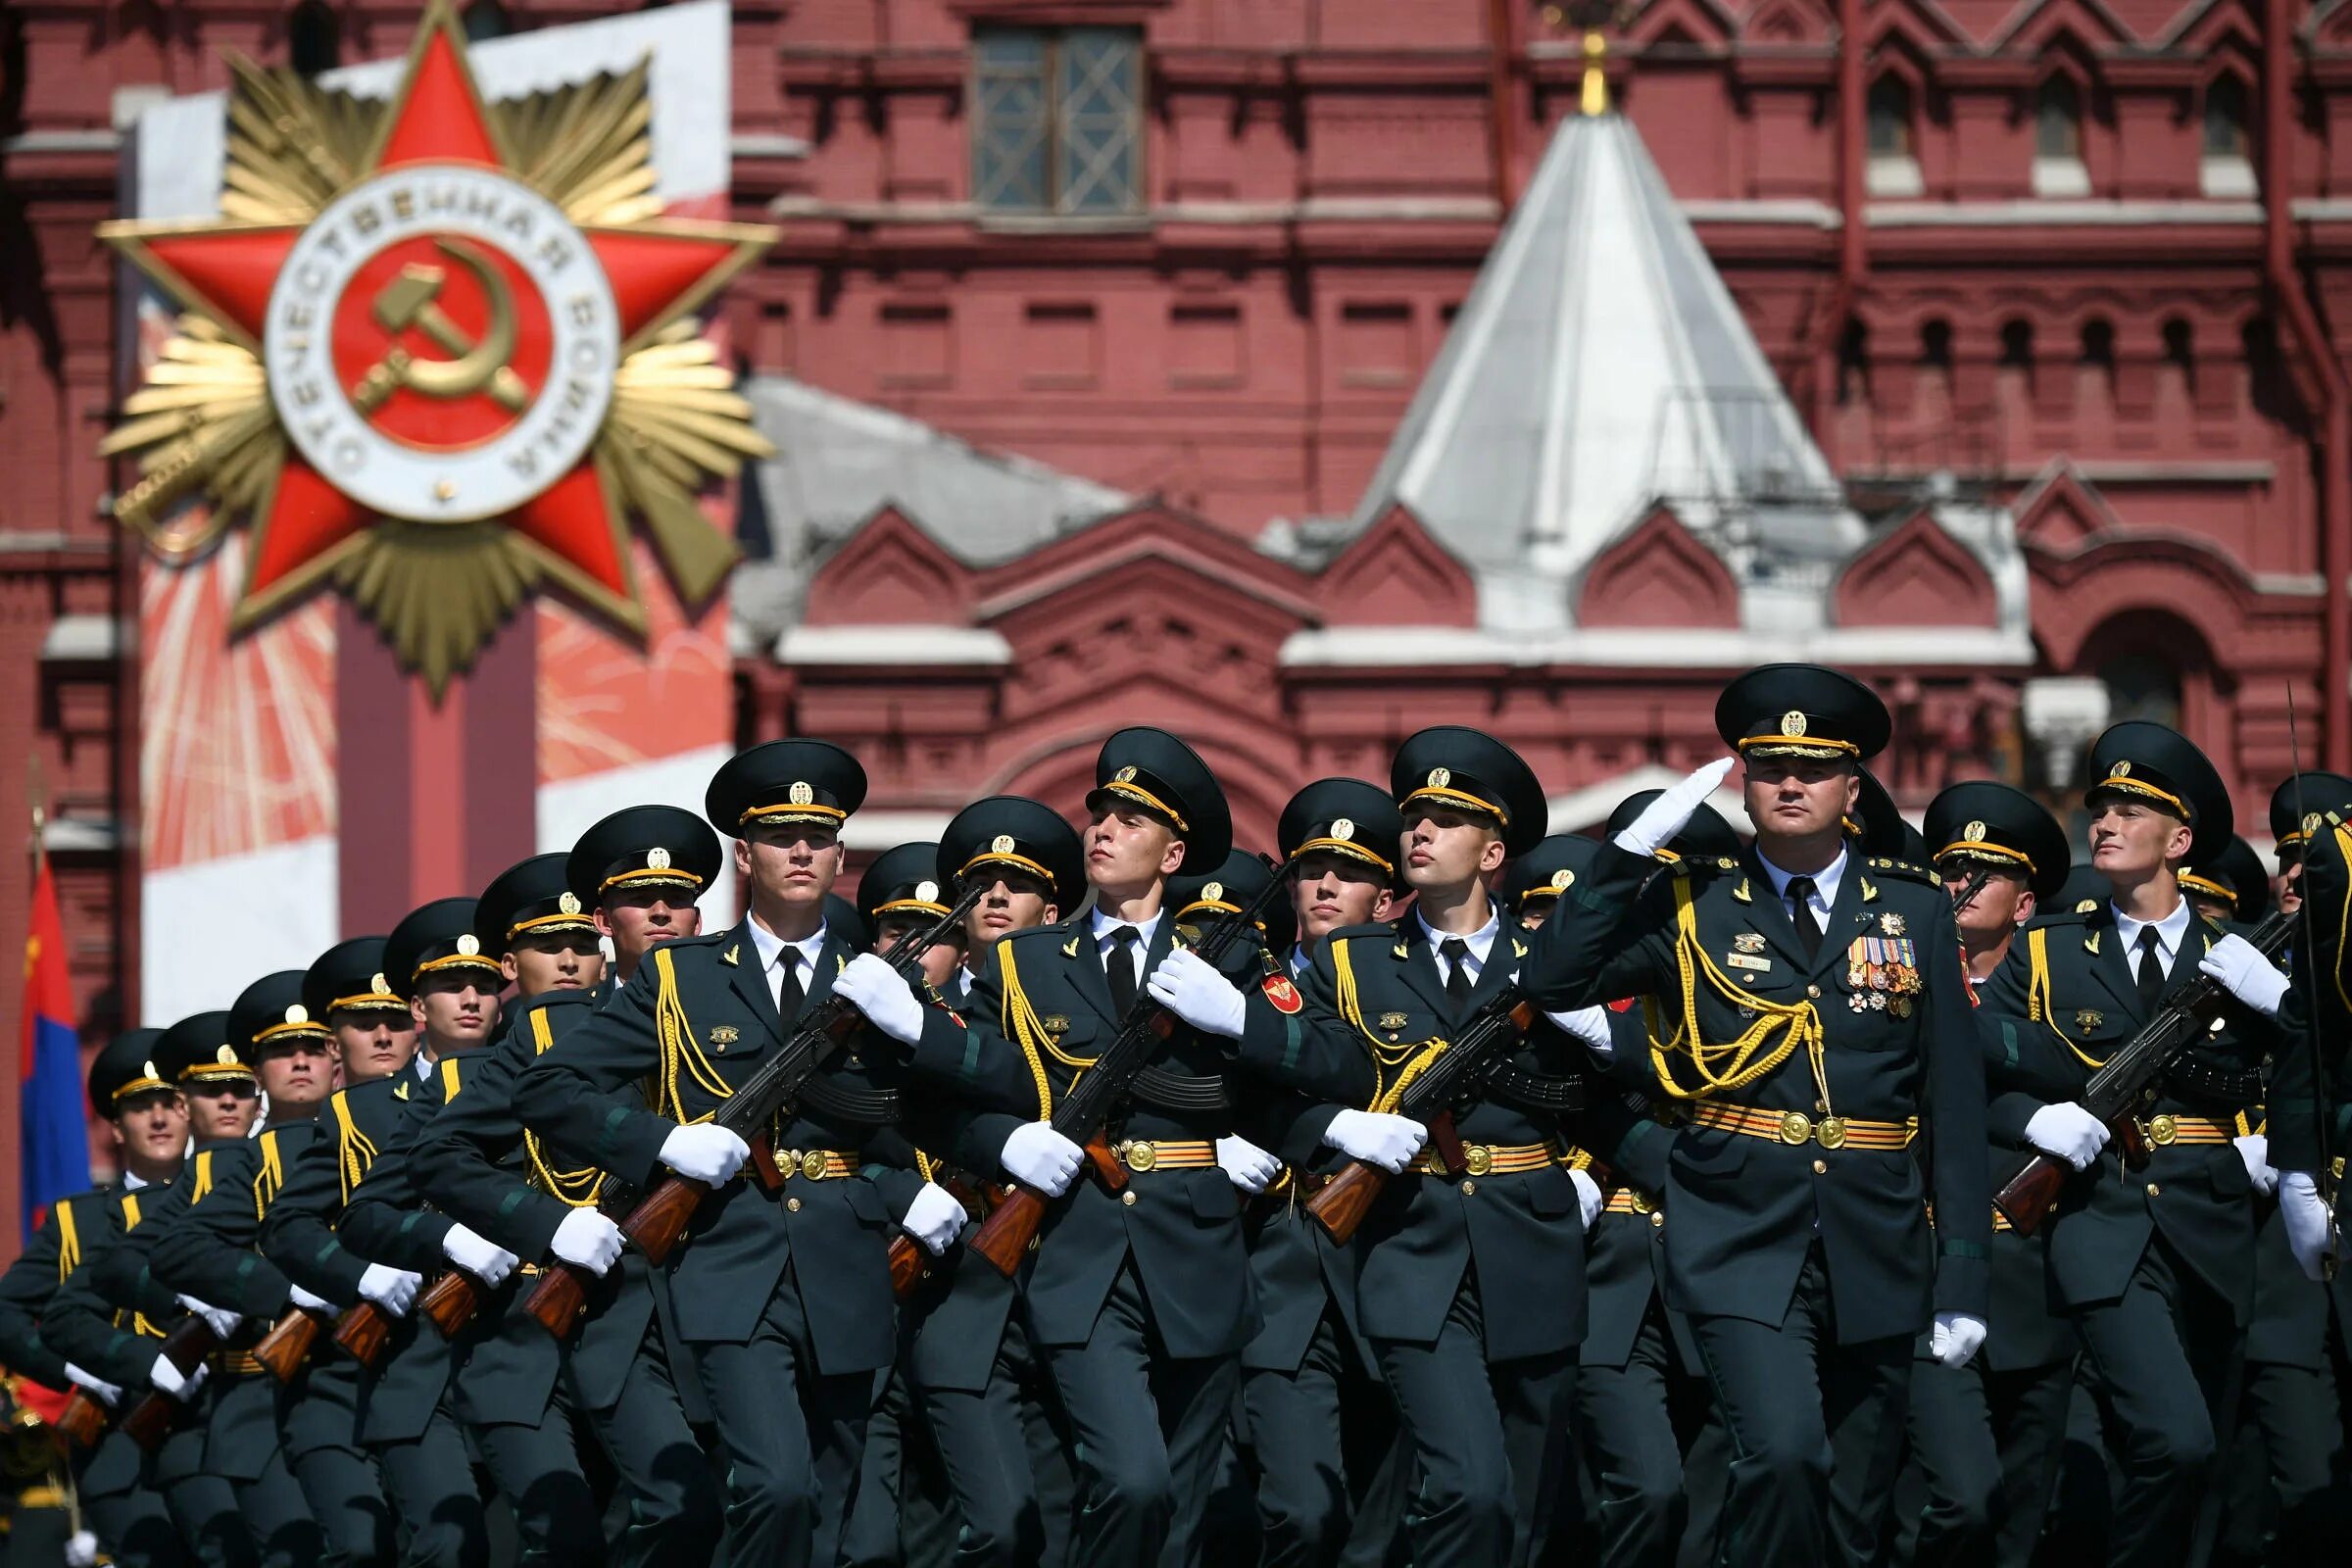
{"points": [[437, 590]]}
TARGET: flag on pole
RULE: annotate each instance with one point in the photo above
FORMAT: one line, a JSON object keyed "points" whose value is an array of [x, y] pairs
{"points": [[53, 1125]]}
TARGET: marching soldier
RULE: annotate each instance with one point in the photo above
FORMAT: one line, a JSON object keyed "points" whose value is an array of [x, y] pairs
{"points": [[2156, 1266], [1141, 1301], [2292, 802], [499, 1377], [2229, 887], [1811, 1005], [1482, 1374], [1321, 1429], [1985, 1438], [784, 1295], [110, 1318], [637, 874], [149, 1124]]}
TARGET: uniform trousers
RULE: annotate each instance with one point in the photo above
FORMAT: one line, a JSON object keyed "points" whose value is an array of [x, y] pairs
{"points": [[1815, 1429], [317, 1423], [1148, 1430], [1988, 1446], [535, 1465], [204, 1506], [2169, 1355], [1331, 1462], [1632, 1457], [791, 1435], [125, 1511], [428, 1481], [674, 1515], [1491, 1440], [244, 1448], [1007, 1468]]}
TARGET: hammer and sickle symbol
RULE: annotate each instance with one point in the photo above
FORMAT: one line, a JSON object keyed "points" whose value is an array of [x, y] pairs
{"points": [[413, 300]]}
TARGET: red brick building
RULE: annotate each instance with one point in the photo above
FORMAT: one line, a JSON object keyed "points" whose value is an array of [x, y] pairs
{"points": [[1178, 267]]}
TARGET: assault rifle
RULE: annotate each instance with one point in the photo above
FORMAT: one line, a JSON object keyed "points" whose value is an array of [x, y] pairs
{"points": [[1086, 1111], [287, 1346], [1491, 1034], [654, 1225], [2127, 1082], [190, 1340]]}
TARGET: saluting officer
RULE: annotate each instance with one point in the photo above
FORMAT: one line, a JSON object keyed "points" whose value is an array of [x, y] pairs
{"points": [[1481, 1370], [784, 1295], [149, 1125], [1987, 1438], [1809, 1002], [2156, 1266], [1141, 1301]]}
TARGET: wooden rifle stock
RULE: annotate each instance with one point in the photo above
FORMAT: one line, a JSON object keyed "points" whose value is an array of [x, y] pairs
{"points": [[2027, 1196], [653, 1227], [1011, 1229], [363, 1333], [452, 1302], [908, 1266], [286, 1347], [1340, 1206], [82, 1422], [190, 1340]]}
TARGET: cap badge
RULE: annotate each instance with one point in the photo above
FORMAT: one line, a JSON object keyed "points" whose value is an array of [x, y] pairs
{"points": [[568, 902], [801, 794], [375, 984], [1212, 892], [2120, 771], [296, 1013], [1792, 723], [1440, 777], [1125, 775], [656, 858], [1343, 828], [2311, 824], [1974, 833], [2086, 905], [1002, 844], [470, 946], [926, 893], [147, 1070], [1562, 879], [226, 1056]]}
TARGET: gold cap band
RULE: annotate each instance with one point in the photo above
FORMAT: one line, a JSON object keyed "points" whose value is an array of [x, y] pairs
{"points": [[1128, 788], [1987, 850], [2193, 883], [911, 906], [795, 811], [1346, 847], [551, 922], [454, 960], [2131, 784], [1814, 746], [646, 876], [1002, 857], [279, 1031], [368, 998], [141, 1085], [1459, 798]]}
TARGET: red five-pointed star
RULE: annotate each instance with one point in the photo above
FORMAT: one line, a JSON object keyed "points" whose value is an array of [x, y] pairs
{"points": [[657, 272]]}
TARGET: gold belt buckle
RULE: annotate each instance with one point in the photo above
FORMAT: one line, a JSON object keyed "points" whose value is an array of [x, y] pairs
{"points": [[812, 1164], [1831, 1133], [1139, 1153], [1642, 1205], [1795, 1127], [2162, 1129], [1477, 1158]]}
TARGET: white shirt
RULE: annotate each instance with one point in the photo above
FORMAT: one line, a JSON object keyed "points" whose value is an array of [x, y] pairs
{"points": [[2169, 932], [1104, 925], [1825, 888], [1479, 942], [1301, 961], [772, 950], [422, 1068], [132, 1181]]}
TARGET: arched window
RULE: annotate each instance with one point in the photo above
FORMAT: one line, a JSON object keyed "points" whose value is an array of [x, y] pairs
{"points": [[2141, 685], [1853, 363], [2058, 169], [2017, 344], [1936, 344], [2228, 165], [1892, 167], [485, 19], [2181, 349], [313, 38], [2099, 343]]}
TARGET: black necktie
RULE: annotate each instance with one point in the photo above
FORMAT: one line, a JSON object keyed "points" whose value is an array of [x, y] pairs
{"points": [[2151, 972], [1118, 968], [1808, 931], [1457, 972], [788, 988]]}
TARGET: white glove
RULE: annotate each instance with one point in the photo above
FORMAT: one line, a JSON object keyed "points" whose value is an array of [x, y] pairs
{"points": [[1662, 818], [2310, 1227], [1588, 1196], [876, 988], [705, 1153], [588, 1239], [478, 1256], [2255, 1150], [1245, 1165], [934, 1219], [392, 1288], [81, 1549], [2238, 967], [1590, 1025], [2069, 1132], [171, 1380], [1038, 1157], [222, 1323], [1956, 1339], [1190, 986], [109, 1393], [1376, 1138], [298, 1297]]}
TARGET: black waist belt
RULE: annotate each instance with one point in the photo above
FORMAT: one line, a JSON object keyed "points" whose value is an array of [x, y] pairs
{"points": [[2207, 1083]]}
